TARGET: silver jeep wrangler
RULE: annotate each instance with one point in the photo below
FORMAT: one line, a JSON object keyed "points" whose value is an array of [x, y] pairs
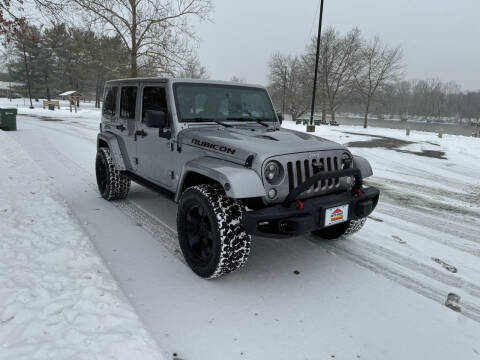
{"points": [[218, 149]]}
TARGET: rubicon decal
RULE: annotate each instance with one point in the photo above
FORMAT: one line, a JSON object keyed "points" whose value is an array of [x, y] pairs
{"points": [[216, 147]]}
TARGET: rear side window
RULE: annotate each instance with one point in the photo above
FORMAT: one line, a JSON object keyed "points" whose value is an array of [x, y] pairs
{"points": [[110, 101], [154, 98], [128, 102]]}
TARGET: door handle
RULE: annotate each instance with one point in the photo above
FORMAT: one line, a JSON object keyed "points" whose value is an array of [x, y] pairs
{"points": [[141, 133], [121, 127]]}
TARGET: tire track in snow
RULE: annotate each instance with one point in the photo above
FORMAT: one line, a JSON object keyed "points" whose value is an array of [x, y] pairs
{"points": [[419, 267], [400, 276], [409, 220], [159, 230], [63, 129]]}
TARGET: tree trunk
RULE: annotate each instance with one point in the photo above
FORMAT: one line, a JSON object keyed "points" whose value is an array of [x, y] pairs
{"points": [[133, 63], [47, 90], [133, 34], [324, 110], [367, 110], [97, 94]]}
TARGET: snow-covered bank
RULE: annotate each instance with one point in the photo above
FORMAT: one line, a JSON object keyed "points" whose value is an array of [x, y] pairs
{"points": [[57, 298]]}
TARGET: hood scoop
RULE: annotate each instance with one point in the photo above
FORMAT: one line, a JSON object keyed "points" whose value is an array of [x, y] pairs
{"points": [[266, 137]]}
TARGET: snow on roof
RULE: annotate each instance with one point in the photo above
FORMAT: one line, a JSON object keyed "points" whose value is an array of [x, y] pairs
{"points": [[71, 92]]}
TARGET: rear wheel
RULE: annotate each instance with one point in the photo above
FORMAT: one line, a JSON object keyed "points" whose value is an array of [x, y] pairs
{"points": [[111, 183], [210, 232], [336, 231]]}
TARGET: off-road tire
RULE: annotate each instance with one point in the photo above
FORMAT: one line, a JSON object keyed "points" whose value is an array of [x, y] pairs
{"points": [[231, 242], [336, 231], [112, 184]]}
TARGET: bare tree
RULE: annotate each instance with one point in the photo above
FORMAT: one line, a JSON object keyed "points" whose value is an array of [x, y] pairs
{"points": [[379, 66], [238, 79], [289, 84], [193, 69], [155, 30], [339, 62], [13, 15]]}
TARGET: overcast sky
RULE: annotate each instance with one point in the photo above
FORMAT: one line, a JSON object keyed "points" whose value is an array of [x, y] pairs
{"points": [[440, 38]]}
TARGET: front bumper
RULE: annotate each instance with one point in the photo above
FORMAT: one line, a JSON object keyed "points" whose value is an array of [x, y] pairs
{"points": [[282, 221]]}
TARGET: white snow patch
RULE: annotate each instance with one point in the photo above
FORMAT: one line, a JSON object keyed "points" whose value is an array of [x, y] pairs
{"points": [[57, 298]]}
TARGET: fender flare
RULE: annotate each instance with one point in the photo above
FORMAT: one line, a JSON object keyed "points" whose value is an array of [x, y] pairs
{"points": [[363, 165], [244, 182], [112, 142]]}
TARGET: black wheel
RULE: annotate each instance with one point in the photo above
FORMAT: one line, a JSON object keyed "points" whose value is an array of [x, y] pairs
{"points": [[111, 183], [211, 236], [336, 231]]}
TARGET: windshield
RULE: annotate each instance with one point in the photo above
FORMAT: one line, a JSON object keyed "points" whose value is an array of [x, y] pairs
{"points": [[207, 102]]}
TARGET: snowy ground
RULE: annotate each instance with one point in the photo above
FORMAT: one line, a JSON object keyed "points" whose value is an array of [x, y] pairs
{"points": [[378, 295], [57, 298]]}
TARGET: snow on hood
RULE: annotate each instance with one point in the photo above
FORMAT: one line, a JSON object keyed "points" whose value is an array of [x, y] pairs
{"points": [[240, 142]]}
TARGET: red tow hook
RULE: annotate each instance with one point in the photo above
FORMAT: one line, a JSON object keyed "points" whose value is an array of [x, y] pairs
{"points": [[300, 205], [358, 192]]}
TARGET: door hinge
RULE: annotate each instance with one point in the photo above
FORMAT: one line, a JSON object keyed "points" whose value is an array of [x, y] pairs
{"points": [[136, 161]]}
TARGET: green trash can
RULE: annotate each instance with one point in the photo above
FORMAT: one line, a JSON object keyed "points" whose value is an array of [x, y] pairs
{"points": [[51, 107], [8, 119]]}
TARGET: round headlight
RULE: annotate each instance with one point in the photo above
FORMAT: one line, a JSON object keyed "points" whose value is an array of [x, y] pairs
{"points": [[274, 172], [347, 161]]}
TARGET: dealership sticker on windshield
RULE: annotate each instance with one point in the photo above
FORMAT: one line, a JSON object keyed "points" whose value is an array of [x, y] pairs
{"points": [[336, 215]]}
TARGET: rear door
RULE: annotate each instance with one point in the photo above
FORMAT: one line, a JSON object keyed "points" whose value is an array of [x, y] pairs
{"points": [[127, 123], [154, 150], [109, 109]]}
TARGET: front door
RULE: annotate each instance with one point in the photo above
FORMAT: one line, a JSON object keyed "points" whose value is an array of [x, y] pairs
{"points": [[154, 152]]}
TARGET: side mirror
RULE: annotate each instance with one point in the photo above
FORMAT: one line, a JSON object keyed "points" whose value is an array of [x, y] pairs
{"points": [[280, 117], [155, 119]]}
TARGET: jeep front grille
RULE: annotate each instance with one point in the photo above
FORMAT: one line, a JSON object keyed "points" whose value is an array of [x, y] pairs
{"points": [[300, 170]]}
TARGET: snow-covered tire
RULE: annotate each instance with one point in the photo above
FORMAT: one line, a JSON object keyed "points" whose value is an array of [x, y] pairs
{"points": [[336, 231], [112, 184], [210, 231]]}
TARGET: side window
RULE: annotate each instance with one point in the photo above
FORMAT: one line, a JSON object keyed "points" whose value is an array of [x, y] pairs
{"points": [[128, 102], [110, 101], [154, 98]]}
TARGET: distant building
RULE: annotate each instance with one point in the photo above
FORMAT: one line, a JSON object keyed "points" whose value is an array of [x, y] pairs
{"points": [[7, 89]]}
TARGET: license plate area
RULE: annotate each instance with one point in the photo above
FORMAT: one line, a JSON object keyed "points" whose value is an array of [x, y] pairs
{"points": [[336, 215]]}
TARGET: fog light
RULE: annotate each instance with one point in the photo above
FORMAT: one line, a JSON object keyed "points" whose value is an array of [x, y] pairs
{"points": [[272, 193]]}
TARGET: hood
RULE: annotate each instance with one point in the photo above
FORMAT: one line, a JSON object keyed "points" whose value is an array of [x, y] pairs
{"points": [[240, 142]]}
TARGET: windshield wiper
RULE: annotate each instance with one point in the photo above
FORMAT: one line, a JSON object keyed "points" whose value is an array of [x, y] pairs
{"points": [[201, 119]]}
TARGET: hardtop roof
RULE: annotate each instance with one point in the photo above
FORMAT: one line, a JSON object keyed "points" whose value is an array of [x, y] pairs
{"points": [[178, 80]]}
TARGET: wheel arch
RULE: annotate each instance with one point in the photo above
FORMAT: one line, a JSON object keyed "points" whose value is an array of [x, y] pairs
{"points": [[359, 162], [110, 141], [237, 181]]}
